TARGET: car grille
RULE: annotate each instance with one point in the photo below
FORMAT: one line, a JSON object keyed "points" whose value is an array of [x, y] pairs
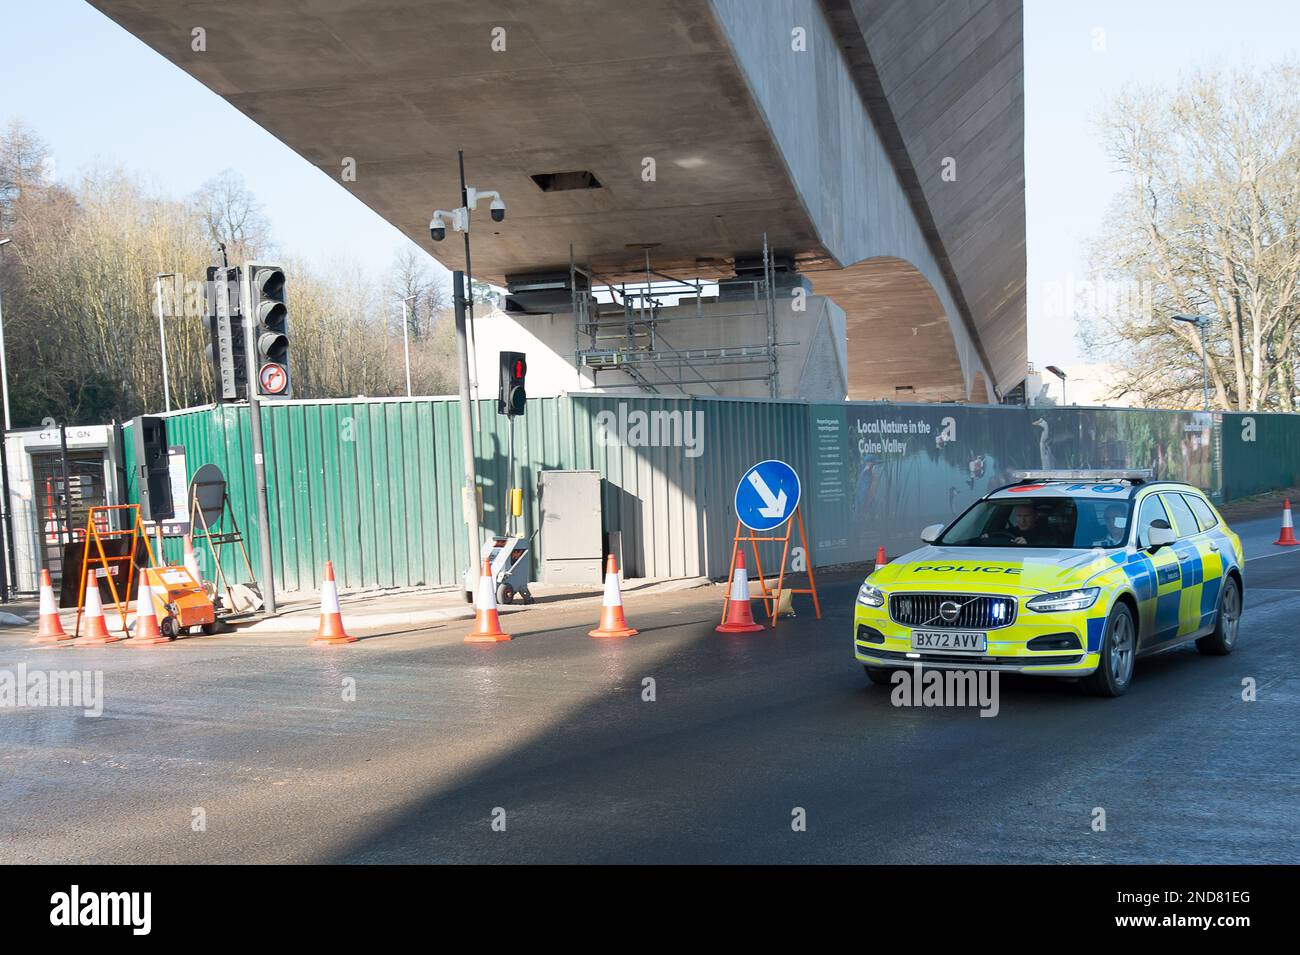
{"points": [[976, 612]]}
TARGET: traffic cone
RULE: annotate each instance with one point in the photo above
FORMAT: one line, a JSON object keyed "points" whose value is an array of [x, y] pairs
{"points": [[1287, 537], [93, 614], [146, 633], [881, 560], [612, 621], [331, 630], [51, 627], [739, 618], [487, 626], [192, 560]]}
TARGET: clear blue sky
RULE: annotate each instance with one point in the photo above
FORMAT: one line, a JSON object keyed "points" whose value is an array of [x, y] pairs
{"points": [[95, 93]]}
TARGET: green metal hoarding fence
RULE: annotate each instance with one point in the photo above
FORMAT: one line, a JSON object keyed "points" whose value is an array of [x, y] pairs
{"points": [[373, 484], [1259, 452]]}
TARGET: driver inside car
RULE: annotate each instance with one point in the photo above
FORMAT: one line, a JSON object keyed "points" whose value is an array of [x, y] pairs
{"points": [[1026, 528]]}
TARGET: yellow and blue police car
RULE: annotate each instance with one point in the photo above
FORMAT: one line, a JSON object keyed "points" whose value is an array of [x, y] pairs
{"points": [[1064, 573]]}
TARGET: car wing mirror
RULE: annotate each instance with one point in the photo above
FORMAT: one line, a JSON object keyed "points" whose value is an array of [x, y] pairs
{"points": [[1158, 536], [930, 533]]}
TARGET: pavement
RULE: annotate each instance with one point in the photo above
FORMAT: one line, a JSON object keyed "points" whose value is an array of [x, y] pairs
{"points": [[368, 611], [676, 745]]}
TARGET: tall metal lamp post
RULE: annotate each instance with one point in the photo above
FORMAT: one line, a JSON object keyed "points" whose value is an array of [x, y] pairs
{"points": [[162, 333], [1059, 373], [1199, 322], [406, 340], [4, 368]]}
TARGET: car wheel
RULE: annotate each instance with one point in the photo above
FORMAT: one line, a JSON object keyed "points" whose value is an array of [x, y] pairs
{"points": [[1114, 671], [1220, 642], [881, 676]]}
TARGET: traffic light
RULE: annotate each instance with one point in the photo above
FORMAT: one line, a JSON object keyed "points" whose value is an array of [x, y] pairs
{"points": [[511, 399], [226, 348], [268, 314]]}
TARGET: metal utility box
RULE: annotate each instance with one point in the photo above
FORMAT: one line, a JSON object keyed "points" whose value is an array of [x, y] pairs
{"points": [[571, 540]]}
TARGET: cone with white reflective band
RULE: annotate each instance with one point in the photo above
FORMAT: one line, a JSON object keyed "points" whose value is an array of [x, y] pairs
{"points": [[330, 631], [96, 629], [881, 560], [739, 618], [487, 625], [192, 560], [146, 633], [51, 627], [1287, 537], [612, 621]]}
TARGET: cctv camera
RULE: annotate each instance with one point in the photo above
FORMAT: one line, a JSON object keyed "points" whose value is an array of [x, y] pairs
{"points": [[498, 209], [437, 229]]}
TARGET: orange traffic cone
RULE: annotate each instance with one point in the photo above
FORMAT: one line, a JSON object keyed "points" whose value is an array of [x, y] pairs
{"points": [[612, 621], [738, 617], [881, 561], [51, 627], [146, 633], [192, 560], [487, 625], [331, 630], [96, 629], [1287, 537]]}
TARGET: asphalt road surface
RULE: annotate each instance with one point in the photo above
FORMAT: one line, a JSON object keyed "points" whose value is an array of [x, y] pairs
{"points": [[215, 750]]}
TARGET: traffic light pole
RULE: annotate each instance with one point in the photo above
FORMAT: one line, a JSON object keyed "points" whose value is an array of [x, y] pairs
{"points": [[469, 499], [259, 456]]}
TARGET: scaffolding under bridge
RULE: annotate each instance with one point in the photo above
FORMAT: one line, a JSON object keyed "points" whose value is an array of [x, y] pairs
{"points": [[625, 326]]}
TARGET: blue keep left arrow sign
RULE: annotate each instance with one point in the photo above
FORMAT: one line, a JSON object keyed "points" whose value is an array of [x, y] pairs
{"points": [[767, 495]]}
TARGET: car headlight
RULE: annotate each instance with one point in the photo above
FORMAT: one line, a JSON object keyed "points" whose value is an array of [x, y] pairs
{"points": [[870, 595], [1080, 599]]}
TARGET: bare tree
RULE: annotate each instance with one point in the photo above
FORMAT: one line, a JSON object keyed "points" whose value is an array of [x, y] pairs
{"points": [[23, 156], [1208, 224], [412, 280], [232, 216]]}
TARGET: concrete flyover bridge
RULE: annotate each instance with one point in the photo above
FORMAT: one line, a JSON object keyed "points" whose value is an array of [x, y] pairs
{"points": [[877, 143]]}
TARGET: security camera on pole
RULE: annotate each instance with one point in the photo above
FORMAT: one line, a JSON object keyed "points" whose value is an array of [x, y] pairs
{"points": [[463, 301]]}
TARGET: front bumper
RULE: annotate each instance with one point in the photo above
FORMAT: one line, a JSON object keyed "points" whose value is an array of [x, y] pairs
{"points": [[879, 641]]}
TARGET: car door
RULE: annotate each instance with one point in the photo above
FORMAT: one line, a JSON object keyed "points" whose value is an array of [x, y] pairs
{"points": [[1159, 591], [1216, 556], [1190, 564]]}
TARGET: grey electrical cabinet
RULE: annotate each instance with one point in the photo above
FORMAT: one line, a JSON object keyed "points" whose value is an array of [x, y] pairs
{"points": [[571, 532]]}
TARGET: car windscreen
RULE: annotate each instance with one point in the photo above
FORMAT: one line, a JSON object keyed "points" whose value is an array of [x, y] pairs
{"points": [[1041, 522]]}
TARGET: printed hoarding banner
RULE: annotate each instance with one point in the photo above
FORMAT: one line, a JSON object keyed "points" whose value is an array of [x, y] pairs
{"points": [[881, 472]]}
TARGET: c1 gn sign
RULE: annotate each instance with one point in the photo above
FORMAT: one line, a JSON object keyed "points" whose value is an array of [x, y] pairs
{"points": [[767, 495]]}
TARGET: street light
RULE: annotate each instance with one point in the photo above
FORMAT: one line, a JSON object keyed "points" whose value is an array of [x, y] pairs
{"points": [[162, 333], [1059, 374], [4, 368], [1199, 322], [406, 344]]}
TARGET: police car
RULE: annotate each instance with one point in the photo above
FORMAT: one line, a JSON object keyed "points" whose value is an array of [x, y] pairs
{"points": [[1065, 574]]}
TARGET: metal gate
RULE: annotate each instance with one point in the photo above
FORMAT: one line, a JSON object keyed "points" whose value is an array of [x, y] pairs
{"points": [[62, 502]]}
